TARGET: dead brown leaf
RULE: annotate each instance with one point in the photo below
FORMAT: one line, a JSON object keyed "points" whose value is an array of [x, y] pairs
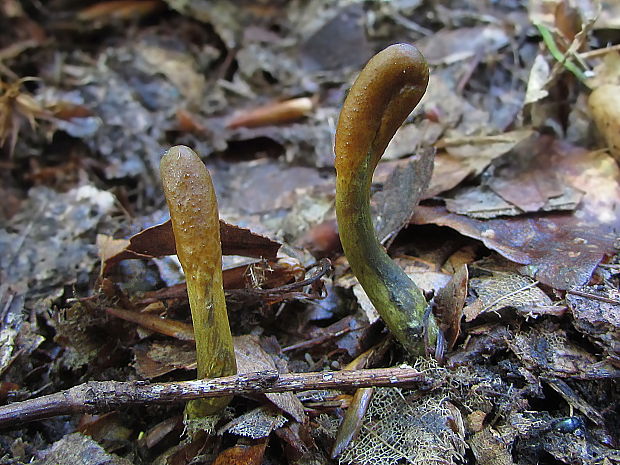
{"points": [[158, 241], [561, 250], [119, 10], [273, 113], [450, 302], [242, 455], [251, 357]]}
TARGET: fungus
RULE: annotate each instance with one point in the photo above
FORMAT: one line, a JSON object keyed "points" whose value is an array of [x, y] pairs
{"points": [[195, 222], [385, 92]]}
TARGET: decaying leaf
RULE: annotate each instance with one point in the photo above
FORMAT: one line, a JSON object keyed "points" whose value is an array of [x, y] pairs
{"points": [[484, 203], [78, 449], [450, 301], [490, 448], [503, 290], [477, 152], [561, 250], [158, 358], [451, 45], [596, 314], [256, 424], [546, 350], [397, 429], [252, 357], [242, 455], [393, 206], [158, 241]]}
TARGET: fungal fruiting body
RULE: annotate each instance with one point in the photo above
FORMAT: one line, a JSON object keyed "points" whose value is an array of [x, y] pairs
{"points": [[385, 92], [195, 222]]}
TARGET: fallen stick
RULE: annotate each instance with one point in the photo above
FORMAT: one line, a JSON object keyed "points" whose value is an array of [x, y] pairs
{"points": [[97, 396]]}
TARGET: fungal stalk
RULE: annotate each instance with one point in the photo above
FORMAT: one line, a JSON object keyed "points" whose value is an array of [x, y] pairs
{"points": [[195, 222], [385, 92]]}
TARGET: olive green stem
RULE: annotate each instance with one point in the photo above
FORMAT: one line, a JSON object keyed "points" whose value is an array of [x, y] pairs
{"points": [[386, 91], [195, 222]]}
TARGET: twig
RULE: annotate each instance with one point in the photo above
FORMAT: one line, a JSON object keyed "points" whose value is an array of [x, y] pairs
{"points": [[97, 396], [587, 295], [600, 51], [320, 339]]}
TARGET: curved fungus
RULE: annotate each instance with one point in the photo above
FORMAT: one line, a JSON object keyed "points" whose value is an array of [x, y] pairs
{"points": [[195, 222], [385, 92]]}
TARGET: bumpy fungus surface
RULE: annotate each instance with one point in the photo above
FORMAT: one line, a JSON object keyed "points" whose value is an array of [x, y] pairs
{"points": [[195, 221], [385, 92]]}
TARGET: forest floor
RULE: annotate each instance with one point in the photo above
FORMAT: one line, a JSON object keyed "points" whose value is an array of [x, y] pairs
{"points": [[515, 236]]}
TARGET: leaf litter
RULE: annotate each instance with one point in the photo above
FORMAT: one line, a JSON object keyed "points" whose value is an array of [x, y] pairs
{"points": [[516, 239]]}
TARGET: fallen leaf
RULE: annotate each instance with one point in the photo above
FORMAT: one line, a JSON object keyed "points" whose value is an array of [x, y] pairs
{"points": [[242, 455], [558, 249], [450, 301], [78, 449], [502, 290], [161, 430], [604, 103], [597, 316], [478, 152], [538, 81], [273, 113], [393, 206], [561, 250], [257, 423], [251, 357], [158, 241], [451, 45], [158, 358], [484, 203]]}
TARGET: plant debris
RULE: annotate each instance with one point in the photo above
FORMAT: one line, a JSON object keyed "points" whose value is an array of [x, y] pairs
{"points": [[511, 230]]}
